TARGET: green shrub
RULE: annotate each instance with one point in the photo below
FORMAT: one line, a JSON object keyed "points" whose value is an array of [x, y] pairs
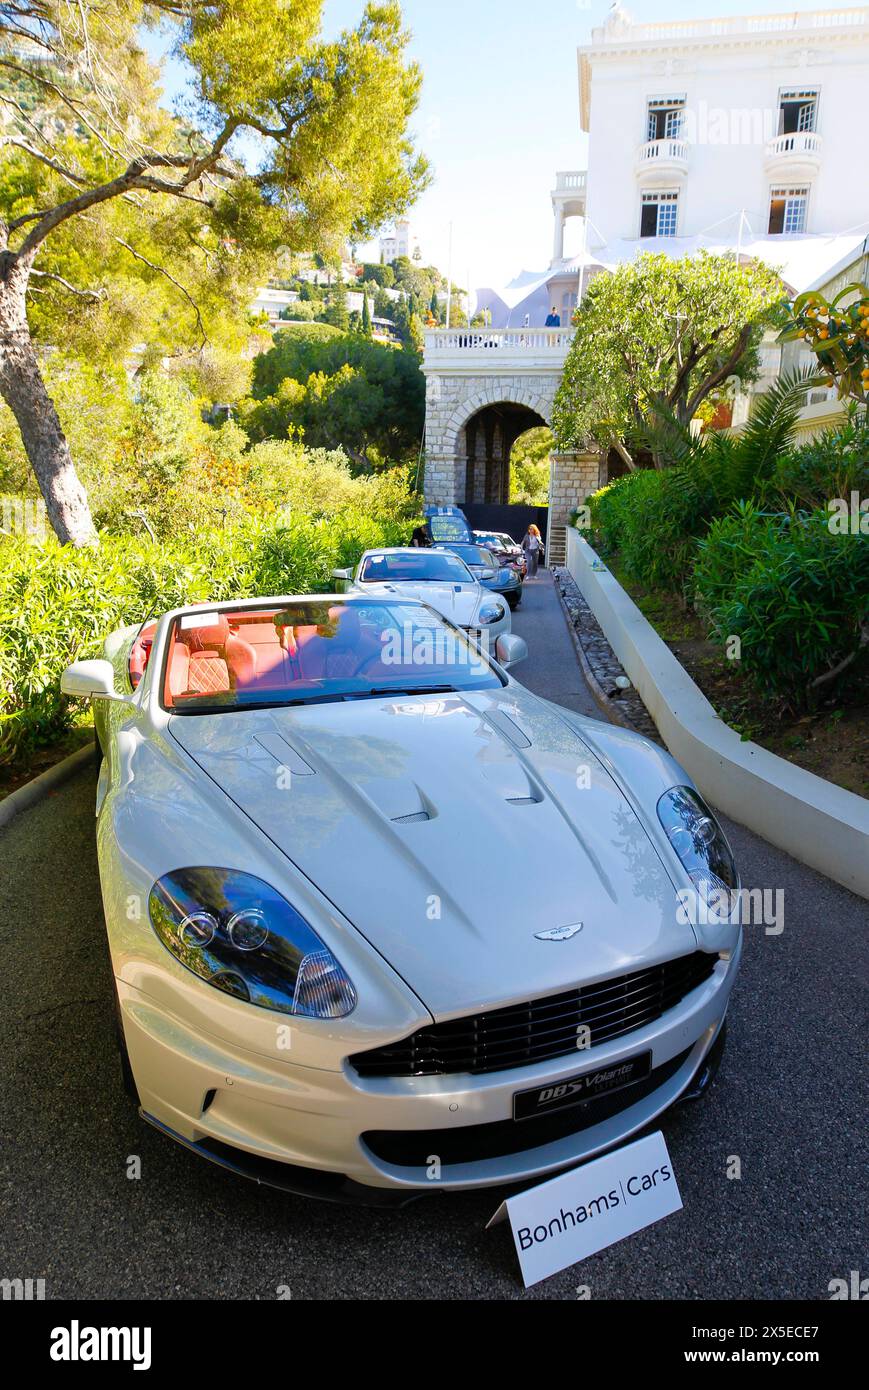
{"points": [[611, 507], [835, 464], [794, 593], [653, 519], [656, 524]]}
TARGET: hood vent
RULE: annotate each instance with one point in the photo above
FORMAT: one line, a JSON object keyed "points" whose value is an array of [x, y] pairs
{"points": [[411, 820], [507, 728]]}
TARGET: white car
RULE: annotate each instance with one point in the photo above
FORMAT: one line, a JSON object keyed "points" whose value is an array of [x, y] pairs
{"points": [[370, 902], [438, 578]]}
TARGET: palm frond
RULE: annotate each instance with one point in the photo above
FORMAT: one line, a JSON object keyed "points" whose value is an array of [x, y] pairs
{"points": [[665, 435], [770, 428]]}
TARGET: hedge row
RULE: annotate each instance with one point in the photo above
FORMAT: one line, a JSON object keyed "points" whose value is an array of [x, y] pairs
{"points": [[795, 592], [57, 604]]}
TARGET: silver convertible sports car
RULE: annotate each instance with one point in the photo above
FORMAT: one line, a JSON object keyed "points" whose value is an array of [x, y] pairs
{"points": [[381, 921], [437, 578]]}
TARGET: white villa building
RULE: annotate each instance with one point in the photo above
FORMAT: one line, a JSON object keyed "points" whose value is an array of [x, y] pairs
{"points": [[400, 242], [742, 134]]}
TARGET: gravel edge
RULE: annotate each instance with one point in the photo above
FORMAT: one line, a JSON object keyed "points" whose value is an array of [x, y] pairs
{"points": [[32, 792]]}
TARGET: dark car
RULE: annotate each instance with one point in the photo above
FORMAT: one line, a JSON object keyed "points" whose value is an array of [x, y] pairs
{"points": [[504, 548], [501, 579]]}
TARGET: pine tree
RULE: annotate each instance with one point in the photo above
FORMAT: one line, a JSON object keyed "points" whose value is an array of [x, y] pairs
{"points": [[337, 313]]}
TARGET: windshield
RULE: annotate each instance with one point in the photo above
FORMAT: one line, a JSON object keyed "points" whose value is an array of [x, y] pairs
{"points": [[418, 566], [311, 651], [445, 527], [489, 539], [473, 555]]}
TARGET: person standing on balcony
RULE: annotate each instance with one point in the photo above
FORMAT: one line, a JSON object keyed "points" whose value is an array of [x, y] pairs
{"points": [[554, 319]]}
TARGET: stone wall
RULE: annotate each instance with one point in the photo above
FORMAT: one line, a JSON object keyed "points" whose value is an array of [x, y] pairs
{"points": [[572, 477], [454, 398], [451, 400]]}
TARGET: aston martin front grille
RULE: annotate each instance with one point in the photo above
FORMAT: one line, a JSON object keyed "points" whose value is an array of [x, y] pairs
{"points": [[412, 1148], [541, 1029]]}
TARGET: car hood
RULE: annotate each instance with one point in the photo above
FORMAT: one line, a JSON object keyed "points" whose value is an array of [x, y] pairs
{"points": [[458, 602], [452, 830]]}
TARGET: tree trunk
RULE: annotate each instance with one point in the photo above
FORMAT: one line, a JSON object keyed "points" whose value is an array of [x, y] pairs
{"points": [[23, 390], [622, 451]]}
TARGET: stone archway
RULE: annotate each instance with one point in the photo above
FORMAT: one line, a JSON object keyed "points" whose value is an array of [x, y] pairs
{"points": [[501, 379], [492, 405], [485, 441]]}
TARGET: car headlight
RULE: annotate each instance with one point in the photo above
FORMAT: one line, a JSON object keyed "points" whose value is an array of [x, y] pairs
{"points": [[699, 842], [238, 934], [490, 613]]}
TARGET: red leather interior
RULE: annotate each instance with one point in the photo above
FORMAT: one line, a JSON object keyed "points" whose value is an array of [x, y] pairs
{"points": [[248, 651], [140, 653]]}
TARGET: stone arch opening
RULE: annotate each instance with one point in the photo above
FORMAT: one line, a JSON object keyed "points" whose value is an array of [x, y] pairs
{"points": [[485, 442], [530, 465]]}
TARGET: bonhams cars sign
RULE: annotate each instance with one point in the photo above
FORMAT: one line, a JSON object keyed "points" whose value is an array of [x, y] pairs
{"points": [[562, 1221]]}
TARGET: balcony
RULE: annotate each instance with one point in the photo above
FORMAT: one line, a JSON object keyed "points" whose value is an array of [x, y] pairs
{"points": [[570, 182], [496, 349], [662, 159], [793, 157]]}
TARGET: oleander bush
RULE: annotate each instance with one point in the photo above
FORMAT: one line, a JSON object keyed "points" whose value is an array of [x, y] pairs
{"points": [[57, 603], [795, 593], [611, 507], [740, 528], [834, 464]]}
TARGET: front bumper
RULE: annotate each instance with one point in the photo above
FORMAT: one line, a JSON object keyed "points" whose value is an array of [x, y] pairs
{"points": [[332, 1131]]}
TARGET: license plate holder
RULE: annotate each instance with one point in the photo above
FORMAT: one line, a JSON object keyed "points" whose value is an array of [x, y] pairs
{"points": [[582, 1088]]}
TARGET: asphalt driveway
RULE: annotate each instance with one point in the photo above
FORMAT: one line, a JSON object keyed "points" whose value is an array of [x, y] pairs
{"points": [[789, 1103]]}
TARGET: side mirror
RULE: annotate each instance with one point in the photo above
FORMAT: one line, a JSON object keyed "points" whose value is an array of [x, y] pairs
{"points": [[342, 577], [510, 650], [90, 680]]}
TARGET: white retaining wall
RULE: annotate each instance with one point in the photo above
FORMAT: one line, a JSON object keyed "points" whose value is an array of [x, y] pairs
{"points": [[815, 821]]}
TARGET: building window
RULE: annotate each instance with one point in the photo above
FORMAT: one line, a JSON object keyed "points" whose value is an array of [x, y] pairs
{"points": [[787, 210], [664, 118], [798, 110], [658, 214]]}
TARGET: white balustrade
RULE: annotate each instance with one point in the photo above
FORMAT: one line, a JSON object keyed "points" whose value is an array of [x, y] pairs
{"points": [[798, 142], [670, 149], [738, 24], [496, 344]]}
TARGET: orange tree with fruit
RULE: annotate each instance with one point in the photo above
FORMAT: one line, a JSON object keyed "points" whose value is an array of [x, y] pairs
{"points": [[837, 331]]}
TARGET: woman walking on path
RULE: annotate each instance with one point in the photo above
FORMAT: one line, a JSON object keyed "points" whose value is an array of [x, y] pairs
{"points": [[532, 544]]}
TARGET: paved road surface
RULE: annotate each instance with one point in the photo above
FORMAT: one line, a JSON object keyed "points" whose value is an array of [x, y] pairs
{"points": [[789, 1103], [552, 669]]}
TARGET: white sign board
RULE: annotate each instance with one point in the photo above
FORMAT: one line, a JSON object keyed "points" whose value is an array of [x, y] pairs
{"points": [[572, 1216]]}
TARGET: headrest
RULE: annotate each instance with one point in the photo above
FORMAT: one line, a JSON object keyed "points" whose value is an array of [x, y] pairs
{"points": [[349, 628], [202, 639]]}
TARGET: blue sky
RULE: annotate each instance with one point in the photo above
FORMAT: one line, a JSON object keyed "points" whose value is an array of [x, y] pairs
{"points": [[500, 113]]}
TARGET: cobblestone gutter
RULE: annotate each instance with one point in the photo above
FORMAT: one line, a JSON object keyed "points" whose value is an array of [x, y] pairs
{"points": [[600, 663]]}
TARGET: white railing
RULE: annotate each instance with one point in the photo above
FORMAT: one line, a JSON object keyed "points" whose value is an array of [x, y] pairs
{"points": [[798, 142], [738, 24], [570, 182], [670, 149], [494, 341]]}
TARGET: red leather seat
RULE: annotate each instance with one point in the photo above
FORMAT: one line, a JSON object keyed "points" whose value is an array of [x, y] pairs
{"points": [[218, 640]]}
